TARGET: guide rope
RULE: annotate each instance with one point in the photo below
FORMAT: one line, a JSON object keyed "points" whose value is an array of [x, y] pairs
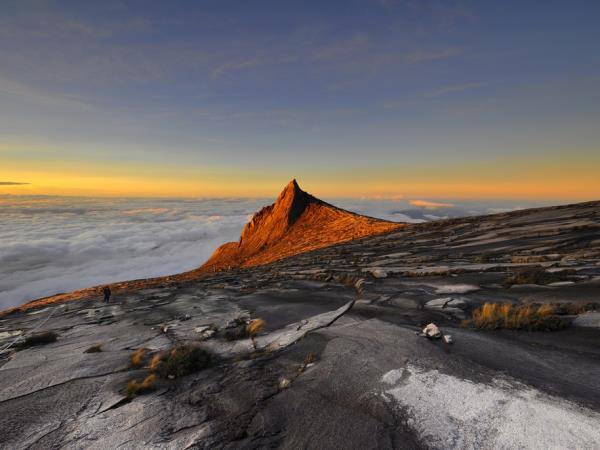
{"points": [[22, 336]]}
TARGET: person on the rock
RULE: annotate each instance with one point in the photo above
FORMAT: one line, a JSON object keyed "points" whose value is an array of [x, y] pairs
{"points": [[106, 291]]}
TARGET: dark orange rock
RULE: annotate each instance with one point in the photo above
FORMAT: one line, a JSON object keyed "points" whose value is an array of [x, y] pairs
{"points": [[297, 222]]}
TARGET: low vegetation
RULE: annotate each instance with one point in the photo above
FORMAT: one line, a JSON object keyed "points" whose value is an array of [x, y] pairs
{"points": [[180, 361], [570, 308], [254, 327], [241, 329], [175, 363], [137, 357], [494, 316], [137, 387], [536, 276], [94, 349], [309, 359], [46, 337]]}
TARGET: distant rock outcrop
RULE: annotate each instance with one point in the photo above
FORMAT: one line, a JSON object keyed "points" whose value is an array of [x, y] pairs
{"points": [[297, 222]]}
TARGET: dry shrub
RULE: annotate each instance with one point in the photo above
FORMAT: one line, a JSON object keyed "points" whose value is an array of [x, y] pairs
{"points": [[547, 309], [239, 329], [254, 327], [493, 316], [135, 387], [94, 349], [536, 276], [235, 333], [137, 357], [483, 257], [46, 337], [155, 361], [309, 359], [570, 308], [180, 361]]}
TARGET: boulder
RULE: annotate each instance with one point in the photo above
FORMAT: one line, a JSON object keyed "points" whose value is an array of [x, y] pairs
{"points": [[378, 273], [432, 331]]}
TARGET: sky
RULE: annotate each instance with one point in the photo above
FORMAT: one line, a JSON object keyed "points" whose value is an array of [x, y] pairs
{"points": [[422, 100]]}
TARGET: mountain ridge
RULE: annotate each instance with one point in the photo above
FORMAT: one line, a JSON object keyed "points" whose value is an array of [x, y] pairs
{"points": [[295, 223]]}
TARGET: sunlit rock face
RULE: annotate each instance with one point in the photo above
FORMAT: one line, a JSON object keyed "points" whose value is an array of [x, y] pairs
{"points": [[297, 222]]}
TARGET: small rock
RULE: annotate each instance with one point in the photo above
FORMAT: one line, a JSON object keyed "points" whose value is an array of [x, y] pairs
{"points": [[448, 339], [207, 334], [284, 383], [431, 331], [378, 273]]}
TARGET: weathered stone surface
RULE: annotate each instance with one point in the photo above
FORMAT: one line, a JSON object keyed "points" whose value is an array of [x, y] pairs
{"points": [[359, 376]]}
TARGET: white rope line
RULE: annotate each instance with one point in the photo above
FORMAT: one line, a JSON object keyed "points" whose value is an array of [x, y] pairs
{"points": [[22, 336]]}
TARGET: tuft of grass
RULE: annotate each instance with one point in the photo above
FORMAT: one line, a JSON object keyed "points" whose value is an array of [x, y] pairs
{"points": [[137, 357], [536, 276], [484, 258], [94, 349], [180, 361], [235, 333], [309, 359], [155, 361], [46, 337], [136, 387], [572, 309], [242, 330], [495, 316], [254, 327]]}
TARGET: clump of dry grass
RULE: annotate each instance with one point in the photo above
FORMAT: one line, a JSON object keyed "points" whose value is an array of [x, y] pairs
{"points": [[177, 362], [241, 330], [137, 387], [180, 361], [94, 349], [46, 337], [494, 316], [571, 308], [138, 356], [254, 327], [536, 276], [309, 359]]}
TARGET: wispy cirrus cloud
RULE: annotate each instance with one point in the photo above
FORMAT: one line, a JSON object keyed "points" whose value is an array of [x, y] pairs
{"points": [[22, 91]]}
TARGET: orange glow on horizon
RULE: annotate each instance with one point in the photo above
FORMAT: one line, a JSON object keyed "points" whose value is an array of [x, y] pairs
{"points": [[561, 182]]}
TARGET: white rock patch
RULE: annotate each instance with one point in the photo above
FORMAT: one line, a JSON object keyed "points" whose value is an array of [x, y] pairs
{"points": [[589, 319], [456, 289], [452, 413]]}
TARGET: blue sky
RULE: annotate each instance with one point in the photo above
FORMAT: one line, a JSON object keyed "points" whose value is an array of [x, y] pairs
{"points": [[322, 91]]}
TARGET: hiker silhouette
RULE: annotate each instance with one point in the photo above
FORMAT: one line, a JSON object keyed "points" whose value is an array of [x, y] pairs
{"points": [[106, 291]]}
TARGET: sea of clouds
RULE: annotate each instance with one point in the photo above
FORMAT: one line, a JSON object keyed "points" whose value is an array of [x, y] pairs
{"points": [[50, 244]]}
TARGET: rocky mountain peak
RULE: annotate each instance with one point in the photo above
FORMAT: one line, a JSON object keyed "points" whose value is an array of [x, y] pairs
{"points": [[271, 222], [295, 223], [292, 202]]}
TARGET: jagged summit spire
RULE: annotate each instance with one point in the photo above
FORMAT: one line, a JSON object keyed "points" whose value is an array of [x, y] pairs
{"points": [[291, 189], [292, 202]]}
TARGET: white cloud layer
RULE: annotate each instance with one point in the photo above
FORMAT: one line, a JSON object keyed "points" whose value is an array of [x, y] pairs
{"points": [[50, 245]]}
